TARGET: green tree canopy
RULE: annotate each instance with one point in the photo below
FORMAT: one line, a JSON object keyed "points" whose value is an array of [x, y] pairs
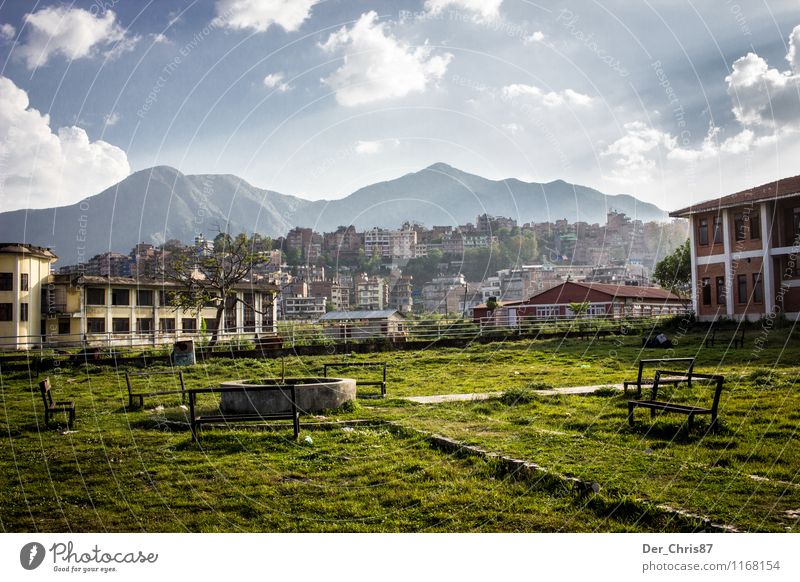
{"points": [[674, 272]]}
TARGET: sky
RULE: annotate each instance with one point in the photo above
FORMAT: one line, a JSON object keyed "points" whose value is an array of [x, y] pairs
{"points": [[673, 102]]}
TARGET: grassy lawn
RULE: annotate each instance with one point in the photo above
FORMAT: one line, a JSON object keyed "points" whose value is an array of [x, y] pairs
{"points": [[137, 470]]}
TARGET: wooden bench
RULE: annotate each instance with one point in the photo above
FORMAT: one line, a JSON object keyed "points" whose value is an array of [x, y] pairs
{"points": [[674, 380], [51, 407], [735, 339], [381, 383], [691, 411], [196, 420], [141, 394]]}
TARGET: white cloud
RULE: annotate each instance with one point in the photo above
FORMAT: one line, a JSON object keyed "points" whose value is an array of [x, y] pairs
{"points": [[537, 36], [161, 38], [368, 148], [259, 15], [112, 119], [767, 97], [71, 32], [484, 9], [7, 32], [275, 81], [549, 99], [633, 151], [513, 128], [39, 168], [378, 66]]}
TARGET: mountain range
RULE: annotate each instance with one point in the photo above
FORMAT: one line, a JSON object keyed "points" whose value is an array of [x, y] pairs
{"points": [[161, 203]]}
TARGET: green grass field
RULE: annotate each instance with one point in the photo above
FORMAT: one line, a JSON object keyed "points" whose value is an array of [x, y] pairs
{"points": [[137, 470]]}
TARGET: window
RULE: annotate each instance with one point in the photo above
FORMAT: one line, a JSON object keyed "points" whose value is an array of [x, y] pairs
{"points": [[144, 325], [6, 281], [23, 282], [720, 290], [144, 297], [166, 297], [120, 325], [703, 231], [95, 296], [6, 311], [547, 311], [23, 312], [717, 230], [741, 283], [758, 289], [63, 326], [96, 324], [120, 297], [795, 223], [189, 324], [167, 324], [211, 323], [706, 291], [739, 226], [755, 225]]}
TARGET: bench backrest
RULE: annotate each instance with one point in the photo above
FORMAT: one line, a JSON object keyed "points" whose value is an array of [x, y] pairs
{"points": [[717, 379], [353, 365], [193, 392], [47, 396], [644, 362]]}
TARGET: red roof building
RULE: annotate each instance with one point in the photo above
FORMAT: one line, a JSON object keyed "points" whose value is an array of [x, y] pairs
{"points": [[604, 300]]}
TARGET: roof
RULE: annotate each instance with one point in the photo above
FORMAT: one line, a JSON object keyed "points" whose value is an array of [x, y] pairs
{"points": [[78, 279], [782, 188], [26, 249], [364, 314], [620, 290]]}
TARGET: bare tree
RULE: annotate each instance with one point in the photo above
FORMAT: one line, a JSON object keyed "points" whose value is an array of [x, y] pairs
{"points": [[211, 277]]}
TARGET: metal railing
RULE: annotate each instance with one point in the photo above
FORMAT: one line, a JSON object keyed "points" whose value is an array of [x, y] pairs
{"points": [[294, 334]]}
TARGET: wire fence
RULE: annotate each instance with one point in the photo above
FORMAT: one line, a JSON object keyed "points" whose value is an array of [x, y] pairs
{"points": [[290, 334]]}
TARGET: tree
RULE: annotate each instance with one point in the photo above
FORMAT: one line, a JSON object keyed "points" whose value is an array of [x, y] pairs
{"points": [[211, 278], [674, 272]]}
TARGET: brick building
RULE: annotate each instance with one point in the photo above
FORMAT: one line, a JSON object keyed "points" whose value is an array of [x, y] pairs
{"points": [[744, 252]]}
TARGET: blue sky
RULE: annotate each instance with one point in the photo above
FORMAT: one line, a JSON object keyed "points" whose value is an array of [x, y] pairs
{"points": [[670, 101]]}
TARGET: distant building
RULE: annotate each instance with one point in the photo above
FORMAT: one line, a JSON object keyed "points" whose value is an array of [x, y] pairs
{"points": [[372, 293], [344, 325], [303, 308], [444, 294]]}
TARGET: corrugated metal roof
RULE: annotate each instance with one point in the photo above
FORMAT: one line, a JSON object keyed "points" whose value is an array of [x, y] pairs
{"points": [[782, 188], [364, 314]]}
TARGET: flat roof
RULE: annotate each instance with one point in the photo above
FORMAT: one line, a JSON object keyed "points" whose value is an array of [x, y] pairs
{"points": [[362, 314]]}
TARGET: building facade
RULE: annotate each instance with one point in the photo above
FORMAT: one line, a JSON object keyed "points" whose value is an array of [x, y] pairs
{"points": [[24, 274], [744, 252]]}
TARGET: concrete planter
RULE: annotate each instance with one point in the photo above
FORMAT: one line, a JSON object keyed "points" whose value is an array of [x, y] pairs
{"points": [[313, 395]]}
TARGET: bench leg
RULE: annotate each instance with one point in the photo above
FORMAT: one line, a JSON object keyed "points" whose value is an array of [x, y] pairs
{"points": [[296, 426], [690, 423], [71, 420], [630, 413], [141, 401], [383, 389]]}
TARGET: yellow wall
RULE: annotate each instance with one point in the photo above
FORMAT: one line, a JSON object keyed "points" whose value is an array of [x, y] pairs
{"points": [[23, 334]]}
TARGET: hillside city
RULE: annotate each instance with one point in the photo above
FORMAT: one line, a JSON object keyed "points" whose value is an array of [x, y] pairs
{"points": [[418, 269]]}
